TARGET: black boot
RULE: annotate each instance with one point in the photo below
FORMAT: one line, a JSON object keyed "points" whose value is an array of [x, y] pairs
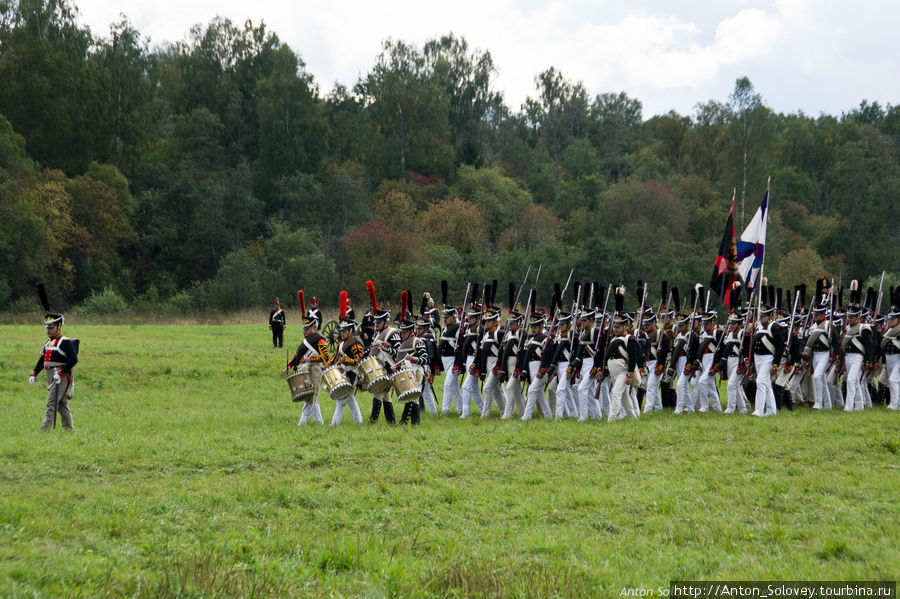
{"points": [[389, 412], [787, 400], [414, 414], [407, 410], [376, 409]]}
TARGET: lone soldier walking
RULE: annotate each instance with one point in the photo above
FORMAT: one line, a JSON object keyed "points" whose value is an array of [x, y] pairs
{"points": [[59, 356]]}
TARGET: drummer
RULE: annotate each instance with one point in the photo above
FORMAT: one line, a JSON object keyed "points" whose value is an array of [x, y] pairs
{"points": [[349, 354], [411, 354], [313, 351], [384, 348]]}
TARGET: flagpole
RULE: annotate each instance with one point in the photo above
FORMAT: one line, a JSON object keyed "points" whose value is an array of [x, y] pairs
{"points": [[762, 267], [722, 292]]}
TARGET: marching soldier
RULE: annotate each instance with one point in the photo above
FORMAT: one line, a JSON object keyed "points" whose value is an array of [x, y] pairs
{"points": [[489, 363], [678, 363], [59, 356], [588, 405], [349, 354], [465, 362], [384, 347], [431, 367], [728, 359], [620, 362], [313, 350], [447, 352], [559, 363], [410, 352], [515, 398], [890, 345], [277, 322], [707, 392], [657, 354], [529, 365], [857, 347], [768, 345], [819, 351]]}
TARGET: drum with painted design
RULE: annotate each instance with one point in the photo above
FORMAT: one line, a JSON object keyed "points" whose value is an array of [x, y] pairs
{"points": [[335, 381]]}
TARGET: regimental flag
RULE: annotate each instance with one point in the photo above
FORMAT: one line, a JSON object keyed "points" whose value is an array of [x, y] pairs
{"points": [[751, 247], [725, 271]]}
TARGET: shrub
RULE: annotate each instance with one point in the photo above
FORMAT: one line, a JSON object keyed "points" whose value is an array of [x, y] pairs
{"points": [[107, 301]]}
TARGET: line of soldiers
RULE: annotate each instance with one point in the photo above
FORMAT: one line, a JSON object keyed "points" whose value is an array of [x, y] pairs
{"points": [[590, 363]]}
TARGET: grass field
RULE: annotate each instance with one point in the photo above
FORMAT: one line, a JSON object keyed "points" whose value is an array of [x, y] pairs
{"points": [[187, 476]]}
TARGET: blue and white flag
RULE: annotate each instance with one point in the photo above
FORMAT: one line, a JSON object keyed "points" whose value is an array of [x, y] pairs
{"points": [[751, 247]]}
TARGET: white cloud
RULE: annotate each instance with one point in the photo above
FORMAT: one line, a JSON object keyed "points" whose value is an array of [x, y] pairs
{"points": [[668, 55]]}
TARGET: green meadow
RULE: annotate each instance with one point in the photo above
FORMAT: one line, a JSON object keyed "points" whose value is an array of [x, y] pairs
{"points": [[187, 476]]}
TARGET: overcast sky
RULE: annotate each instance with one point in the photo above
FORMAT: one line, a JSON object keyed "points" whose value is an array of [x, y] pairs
{"points": [[818, 56]]}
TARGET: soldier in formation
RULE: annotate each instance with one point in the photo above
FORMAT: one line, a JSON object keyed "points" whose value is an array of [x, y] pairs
{"points": [[774, 351]]}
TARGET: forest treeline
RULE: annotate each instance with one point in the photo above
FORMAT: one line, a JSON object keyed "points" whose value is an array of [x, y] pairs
{"points": [[215, 173]]}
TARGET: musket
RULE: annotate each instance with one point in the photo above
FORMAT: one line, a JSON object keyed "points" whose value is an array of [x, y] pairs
{"points": [[463, 320], [519, 294], [562, 295], [804, 333], [602, 320], [605, 337], [572, 326], [687, 343], [785, 357], [878, 302]]}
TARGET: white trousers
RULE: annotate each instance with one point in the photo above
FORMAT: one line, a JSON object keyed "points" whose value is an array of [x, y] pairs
{"points": [[565, 406], [892, 372], [821, 395], [765, 395], [350, 403], [515, 399], [312, 410], [428, 396], [588, 405], [618, 397], [736, 400], [652, 399], [470, 390], [707, 392], [451, 387], [493, 391], [683, 401], [855, 399], [535, 392]]}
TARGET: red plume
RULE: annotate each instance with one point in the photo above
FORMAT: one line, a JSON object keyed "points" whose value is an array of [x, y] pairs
{"points": [[343, 304], [404, 302], [302, 304], [370, 287]]}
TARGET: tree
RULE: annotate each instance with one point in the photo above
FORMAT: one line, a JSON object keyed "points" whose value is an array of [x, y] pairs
{"points": [[292, 131], [500, 198], [615, 123], [751, 132], [558, 115], [377, 251], [466, 80], [455, 223], [410, 111], [45, 82]]}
